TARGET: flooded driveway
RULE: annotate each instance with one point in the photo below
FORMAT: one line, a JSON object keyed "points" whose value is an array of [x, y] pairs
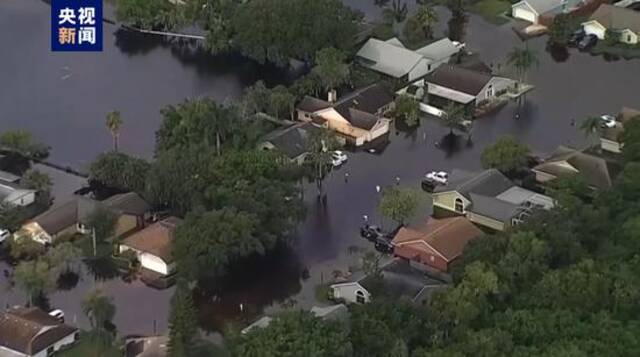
{"points": [[69, 116]]}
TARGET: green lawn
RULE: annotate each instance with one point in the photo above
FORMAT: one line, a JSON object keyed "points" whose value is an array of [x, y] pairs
{"points": [[492, 10], [84, 348]]}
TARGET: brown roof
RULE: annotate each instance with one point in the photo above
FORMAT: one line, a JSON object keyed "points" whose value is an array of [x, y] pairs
{"points": [[311, 104], [157, 239], [447, 236], [567, 161], [617, 18], [31, 330], [128, 203], [459, 79]]}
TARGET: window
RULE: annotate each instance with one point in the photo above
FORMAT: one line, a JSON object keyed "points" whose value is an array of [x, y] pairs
{"points": [[628, 38], [50, 351], [360, 297], [490, 91], [459, 205], [429, 67]]}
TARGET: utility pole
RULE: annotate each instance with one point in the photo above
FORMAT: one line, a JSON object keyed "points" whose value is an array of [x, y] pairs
{"points": [[93, 236]]}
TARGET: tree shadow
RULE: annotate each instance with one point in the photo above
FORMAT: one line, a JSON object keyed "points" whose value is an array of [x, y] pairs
{"points": [[457, 27], [559, 53], [67, 280]]}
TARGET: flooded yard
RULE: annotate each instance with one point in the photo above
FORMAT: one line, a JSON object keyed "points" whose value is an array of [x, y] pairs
{"points": [[139, 78]]}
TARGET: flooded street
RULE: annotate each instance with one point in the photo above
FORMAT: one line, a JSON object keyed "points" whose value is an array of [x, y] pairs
{"points": [[138, 76]]}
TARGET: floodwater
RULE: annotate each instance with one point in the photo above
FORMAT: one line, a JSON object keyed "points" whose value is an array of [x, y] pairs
{"points": [[138, 76]]}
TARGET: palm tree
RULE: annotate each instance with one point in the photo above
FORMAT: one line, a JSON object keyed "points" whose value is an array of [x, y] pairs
{"points": [[427, 17], [114, 122], [591, 127], [99, 308], [522, 59], [396, 13], [453, 115], [322, 143]]}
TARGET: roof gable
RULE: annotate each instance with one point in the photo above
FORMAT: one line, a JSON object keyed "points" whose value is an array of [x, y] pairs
{"points": [[459, 79], [31, 330], [388, 57], [616, 17], [157, 239]]}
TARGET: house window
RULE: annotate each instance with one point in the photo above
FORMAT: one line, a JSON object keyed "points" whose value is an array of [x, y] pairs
{"points": [[490, 91], [360, 297], [429, 67], [628, 38], [50, 351], [459, 205]]}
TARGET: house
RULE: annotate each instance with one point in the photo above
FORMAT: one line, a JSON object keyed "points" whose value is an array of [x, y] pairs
{"points": [[153, 246], [292, 141], [533, 10], [32, 332], [610, 137], [399, 280], [359, 117], [12, 194], [333, 312], [393, 59], [624, 21], [151, 346], [565, 161], [437, 243], [488, 199], [464, 86], [71, 217]]}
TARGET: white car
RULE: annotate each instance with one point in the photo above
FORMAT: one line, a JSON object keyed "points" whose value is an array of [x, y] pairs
{"points": [[440, 177], [608, 121], [4, 235], [58, 314], [338, 158]]}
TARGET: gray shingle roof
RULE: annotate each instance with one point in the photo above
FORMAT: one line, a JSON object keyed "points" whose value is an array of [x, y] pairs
{"points": [[492, 207], [128, 203], [311, 104], [292, 141], [489, 182], [388, 57], [593, 169], [616, 17]]}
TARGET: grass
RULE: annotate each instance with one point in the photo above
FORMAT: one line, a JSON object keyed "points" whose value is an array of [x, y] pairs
{"points": [[84, 348], [492, 10], [621, 50]]}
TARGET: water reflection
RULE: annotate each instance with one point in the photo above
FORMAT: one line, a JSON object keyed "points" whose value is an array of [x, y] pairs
{"points": [[457, 27], [559, 53]]}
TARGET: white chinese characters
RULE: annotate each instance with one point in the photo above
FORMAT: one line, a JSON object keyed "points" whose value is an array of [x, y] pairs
{"points": [[67, 15], [87, 16], [87, 35]]}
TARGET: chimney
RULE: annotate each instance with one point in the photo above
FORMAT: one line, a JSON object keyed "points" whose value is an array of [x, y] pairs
{"points": [[332, 97]]}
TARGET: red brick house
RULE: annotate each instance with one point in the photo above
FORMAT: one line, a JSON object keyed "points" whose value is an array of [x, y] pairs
{"points": [[436, 243]]}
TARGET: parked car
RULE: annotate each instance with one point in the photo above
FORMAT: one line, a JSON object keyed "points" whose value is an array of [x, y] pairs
{"points": [[428, 185], [587, 42], [58, 314], [439, 177], [371, 232], [383, 245], [608, 121], [338, 158], [4, 235], [576, 36]]}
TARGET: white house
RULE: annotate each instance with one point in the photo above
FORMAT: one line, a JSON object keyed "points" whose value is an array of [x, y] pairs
{"points": [[31, 332], [610, 137], [359, 117], [393, 59], [154, 246], [532, 10], [624, 21]]}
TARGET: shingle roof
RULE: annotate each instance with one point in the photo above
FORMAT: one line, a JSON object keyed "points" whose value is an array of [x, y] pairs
{"points": [[594, 170], [492, 207], [157, 239], [459, 79], [292, 141], [401, 279], [616, 17], [489, 182], [58, 218], [31, 330], [311, 104], [439, 50], [128, 203], [389, 58], [448, 236]]}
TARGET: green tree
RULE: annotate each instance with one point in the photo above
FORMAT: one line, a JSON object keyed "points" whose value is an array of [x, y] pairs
{"points": [[560, 30], [99, 309], [457, 7], [296, 333], [399, 204], [207, 242], [281, 102], [102, 223], [331, 68], [395, 13], [21, 142], [612, 37], [506, 155], [630, 139], [522, 60], [114, 123], [37, 180], [453, 115], [322, 143], [427, 17], [34, 278], [62, 257], [25, 248], [309, 24], [408, 110], [146, 14], [11, 217], [183, 326], [591, 127], [120, 171]]}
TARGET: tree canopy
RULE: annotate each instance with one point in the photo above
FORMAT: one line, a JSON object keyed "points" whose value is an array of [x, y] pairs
{"points": [[398, 203], [506, 155]]}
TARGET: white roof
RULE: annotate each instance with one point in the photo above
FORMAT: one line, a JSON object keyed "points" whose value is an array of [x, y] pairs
{"points": [[388, 57], [518, 195], [541, 6], [263, 322], [439, 50], [451, 94], [392, 58]]}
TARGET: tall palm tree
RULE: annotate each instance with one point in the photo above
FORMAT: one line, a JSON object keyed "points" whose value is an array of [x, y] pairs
{"points": [[453, 115], [427, 17], [591, 127], [114, 122], [99, 308], [521, 60]]}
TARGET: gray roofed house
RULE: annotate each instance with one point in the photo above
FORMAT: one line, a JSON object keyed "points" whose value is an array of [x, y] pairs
{"points": [[32, 332], [292, 141], [357, 116], [392, 58], [8, 177], [625, 21], [489, 199], [532, 10], [129, 203], [565, 161]]}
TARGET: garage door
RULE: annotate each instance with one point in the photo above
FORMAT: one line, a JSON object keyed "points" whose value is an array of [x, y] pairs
{"points": [[593, 29], [154, 263], [525, 14]]}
